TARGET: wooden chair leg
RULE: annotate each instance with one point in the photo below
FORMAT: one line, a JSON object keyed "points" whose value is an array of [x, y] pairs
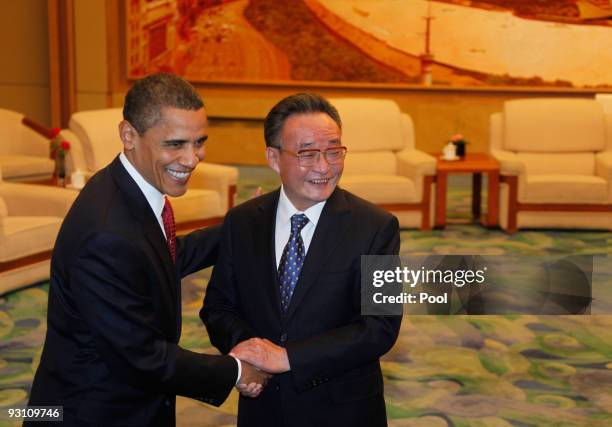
{"points": [[512, 182], [231, 196], [425, 224]]}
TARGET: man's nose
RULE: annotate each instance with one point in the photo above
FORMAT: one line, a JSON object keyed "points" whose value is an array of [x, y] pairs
{"points": [[192, 155], [321, 163]]}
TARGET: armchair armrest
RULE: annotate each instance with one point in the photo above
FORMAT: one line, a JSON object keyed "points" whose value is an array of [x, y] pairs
{"points": [[219, 178], [413, 163], [75, 160], [509, 162], [36, 200], [603, 169], [603, 165]]}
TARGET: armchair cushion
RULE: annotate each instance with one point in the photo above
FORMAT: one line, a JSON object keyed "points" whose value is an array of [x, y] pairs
{"points": [[553, 125], [23, 168], [570, 189], [41, 200], [21, 236], [381, 189], [558, 163]]}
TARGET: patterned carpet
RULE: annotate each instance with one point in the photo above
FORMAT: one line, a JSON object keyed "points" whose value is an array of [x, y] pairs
{"points": [[443, 371]]}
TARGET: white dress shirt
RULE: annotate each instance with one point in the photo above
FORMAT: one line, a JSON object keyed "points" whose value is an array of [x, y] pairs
{"points": [[152, 194], [284, 211], [155, 199]]}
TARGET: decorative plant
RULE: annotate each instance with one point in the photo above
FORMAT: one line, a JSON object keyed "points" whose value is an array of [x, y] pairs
{"points": [[458, 138], [58, 148]]}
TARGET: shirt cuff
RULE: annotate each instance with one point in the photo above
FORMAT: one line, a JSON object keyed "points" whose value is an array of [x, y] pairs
{"points": [[239, 368]]}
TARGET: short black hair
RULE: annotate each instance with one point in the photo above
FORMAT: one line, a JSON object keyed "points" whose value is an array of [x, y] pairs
{"points": [[300, 103], [146, 98]]}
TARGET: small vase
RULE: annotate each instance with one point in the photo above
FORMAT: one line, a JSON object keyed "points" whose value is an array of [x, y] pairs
{"points": [[60, 168], [460, 148]]}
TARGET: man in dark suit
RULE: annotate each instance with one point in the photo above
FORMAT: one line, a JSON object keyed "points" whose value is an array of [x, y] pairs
{"points": [[285, 292], [111, 354]]}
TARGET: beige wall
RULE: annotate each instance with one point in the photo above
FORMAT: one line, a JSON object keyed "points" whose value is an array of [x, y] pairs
{"points": [[91, 61], [237, 111], [24, 43]]}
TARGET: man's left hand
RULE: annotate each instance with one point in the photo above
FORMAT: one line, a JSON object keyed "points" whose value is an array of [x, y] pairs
{"points": [[263, 354]]}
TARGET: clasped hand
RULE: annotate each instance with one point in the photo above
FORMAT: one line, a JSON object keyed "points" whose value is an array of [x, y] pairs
{"points": [[260, 359]]}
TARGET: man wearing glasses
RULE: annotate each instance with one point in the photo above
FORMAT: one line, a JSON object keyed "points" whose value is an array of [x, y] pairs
{"points": [[285, 292]]}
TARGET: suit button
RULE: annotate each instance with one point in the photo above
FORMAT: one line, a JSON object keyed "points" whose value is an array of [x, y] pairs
{"points": [[277, 387], [283, 337], [167, 402]]}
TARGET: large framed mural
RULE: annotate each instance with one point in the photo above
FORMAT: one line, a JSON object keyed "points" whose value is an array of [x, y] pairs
{"points": [[450, 43]]}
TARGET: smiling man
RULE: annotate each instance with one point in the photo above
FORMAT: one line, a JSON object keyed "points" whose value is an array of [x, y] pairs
{"points": [[285, 292], [111, 355]]}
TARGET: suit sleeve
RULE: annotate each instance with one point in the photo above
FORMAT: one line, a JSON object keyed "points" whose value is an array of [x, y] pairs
{"points": [[319, 358], [220, 311], [198, 249], [112, 283]]}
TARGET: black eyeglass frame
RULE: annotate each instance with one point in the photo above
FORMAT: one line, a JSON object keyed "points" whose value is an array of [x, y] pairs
{"points": [[307, 162]]}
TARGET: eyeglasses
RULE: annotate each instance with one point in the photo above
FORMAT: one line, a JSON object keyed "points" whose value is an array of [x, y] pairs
{"points": [[333, 156]]}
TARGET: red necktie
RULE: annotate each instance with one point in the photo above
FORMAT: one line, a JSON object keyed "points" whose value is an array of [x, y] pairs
{"points": [[169, 228]]}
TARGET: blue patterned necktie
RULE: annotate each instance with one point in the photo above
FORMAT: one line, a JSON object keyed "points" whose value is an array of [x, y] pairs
{"points": [[292, 260]]}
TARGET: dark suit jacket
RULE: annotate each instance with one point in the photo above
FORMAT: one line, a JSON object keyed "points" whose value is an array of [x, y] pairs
{"points": [[114, 314], [335, 376]]}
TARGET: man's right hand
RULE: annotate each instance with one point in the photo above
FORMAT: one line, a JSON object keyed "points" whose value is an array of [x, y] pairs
{"points": [[252, 381]]}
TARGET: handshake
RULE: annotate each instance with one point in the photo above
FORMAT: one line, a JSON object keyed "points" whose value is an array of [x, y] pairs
{"points": [[260, 359]]}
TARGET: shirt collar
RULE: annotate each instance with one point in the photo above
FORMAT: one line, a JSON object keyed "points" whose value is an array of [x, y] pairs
{"points": [[152, 194], [286, 210]]}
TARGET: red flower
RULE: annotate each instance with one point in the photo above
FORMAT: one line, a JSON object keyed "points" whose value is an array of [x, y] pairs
{"points": [[55, 132], [65, 145]]}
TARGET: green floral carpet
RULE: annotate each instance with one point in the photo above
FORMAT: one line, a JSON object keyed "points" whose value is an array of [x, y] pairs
{"points": [[443, 371]]}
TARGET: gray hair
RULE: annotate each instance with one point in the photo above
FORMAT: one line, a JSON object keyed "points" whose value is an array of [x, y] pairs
{"points": [[300, 103]]}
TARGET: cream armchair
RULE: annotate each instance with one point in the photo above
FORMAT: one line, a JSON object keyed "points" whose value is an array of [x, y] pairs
{"points": [[94, 138], [556, 163], [24, 148], [382, 164], [30, 218], [605, 99]]}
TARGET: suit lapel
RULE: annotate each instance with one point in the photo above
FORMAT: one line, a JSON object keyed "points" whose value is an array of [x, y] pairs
{"points": [[263, 231], [144, 214], [331, 227]]}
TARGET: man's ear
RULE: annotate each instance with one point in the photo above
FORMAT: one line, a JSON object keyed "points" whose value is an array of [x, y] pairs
{"points": [[128, 134], [272, 155]]}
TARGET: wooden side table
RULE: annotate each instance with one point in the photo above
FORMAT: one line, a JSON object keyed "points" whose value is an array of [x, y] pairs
{"points": [[476, 164]]}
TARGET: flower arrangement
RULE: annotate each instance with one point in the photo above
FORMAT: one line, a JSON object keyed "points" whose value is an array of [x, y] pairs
{"points": [[458, 138], [57, 145], [58, 148], [458, 141]]}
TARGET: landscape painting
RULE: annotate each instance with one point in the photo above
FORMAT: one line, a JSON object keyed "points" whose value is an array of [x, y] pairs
{"points": [[457, 43]]}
